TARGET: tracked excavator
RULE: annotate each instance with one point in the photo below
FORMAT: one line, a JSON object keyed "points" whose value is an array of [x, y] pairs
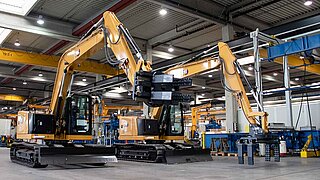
{"points": [[48, 138]]}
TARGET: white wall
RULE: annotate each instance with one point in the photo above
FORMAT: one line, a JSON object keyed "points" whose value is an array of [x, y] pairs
{"points": [[277, 114], [5, 126]]}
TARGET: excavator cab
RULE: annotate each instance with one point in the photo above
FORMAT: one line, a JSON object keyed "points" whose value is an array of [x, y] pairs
{"points": [[171, 120], [78, 115], [59, 148]]}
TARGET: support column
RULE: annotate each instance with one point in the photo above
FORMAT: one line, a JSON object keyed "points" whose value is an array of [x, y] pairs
{"points": [[257, 70], [97, 128], [286, 80], [231, 103], [148, 57]]}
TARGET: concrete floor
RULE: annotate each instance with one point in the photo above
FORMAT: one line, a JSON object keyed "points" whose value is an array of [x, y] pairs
{"points": [[220, 168]]}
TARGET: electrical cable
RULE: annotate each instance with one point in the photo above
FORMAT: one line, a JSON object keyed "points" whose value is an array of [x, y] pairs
{"points": [[227, 88], [305, 93]]}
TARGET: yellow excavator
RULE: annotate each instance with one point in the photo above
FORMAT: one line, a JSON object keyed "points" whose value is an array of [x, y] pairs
{"points": [[48, 138]]}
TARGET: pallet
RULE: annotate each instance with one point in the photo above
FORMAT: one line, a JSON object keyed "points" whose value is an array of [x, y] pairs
{"points": [[236, 154], [233, 154], [218, 153]]}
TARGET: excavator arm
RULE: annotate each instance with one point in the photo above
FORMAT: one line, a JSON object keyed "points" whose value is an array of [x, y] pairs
{"points": [[231, 79], [109, 32]]}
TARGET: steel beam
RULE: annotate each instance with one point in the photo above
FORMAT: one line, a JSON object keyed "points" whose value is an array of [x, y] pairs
{"points": [[295, 61], [190, 11], [52, 61], [53, 29], [251, 7], [202, 83], [174, 32], [8, 97]]}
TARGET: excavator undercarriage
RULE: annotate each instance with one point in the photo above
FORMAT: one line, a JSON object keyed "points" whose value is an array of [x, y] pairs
{"points": [[168, 153]]}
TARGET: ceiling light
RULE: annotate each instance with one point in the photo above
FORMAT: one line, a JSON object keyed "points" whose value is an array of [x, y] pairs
{"points": [[203, 87], [17, 43], [297, 79], [202, 94], [210, 75], [40, 74], [25, 82], [40, 20], [250, 68], [14, 89], [163, 12], [84, 79], [80, 83], [170, 49], [275, 74], [38, 79], [307, 3], [118, 90]]}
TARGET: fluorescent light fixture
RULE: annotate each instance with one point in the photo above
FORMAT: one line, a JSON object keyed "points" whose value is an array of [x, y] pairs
{"points": [[275, 74], [307, 3], [246, 60], [210, 75], [84, 79], [24, 83], [38, 79], [112, 95], [269, 78], [40, 74], [4, 33], [163, 12], [162, 55], [118, 90], [315, 85], [203, 87], [14, 89], [19, 7], [296, 79], [207, 99], [80, 83]]}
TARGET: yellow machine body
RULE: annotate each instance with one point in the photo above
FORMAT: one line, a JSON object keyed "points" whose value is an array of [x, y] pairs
{"points": [[128, 130], [23, 130]]}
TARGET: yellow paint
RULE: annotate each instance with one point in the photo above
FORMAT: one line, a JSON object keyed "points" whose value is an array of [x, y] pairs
{"points": [[9, 97], [52, 61], [305, 153], [232, 77]]}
